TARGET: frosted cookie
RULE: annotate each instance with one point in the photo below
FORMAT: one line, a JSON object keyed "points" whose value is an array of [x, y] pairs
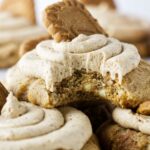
{"points": [[65, 76], [26, 126], [85, 68]]}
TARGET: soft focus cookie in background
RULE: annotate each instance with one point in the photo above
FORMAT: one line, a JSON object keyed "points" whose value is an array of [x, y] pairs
{"points": [[17, 23], [115, 137], [125, 28], [20, 8]]}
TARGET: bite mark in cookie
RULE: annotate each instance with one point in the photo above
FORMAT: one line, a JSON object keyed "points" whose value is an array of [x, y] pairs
{"points": [[66, 20]]}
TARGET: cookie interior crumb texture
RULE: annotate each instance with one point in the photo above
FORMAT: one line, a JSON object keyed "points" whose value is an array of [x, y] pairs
{"points": [[83, 86]]}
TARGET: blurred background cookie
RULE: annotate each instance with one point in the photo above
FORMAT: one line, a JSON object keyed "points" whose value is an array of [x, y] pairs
{"points": [[125, 28], [17, 23], [114, 137]]}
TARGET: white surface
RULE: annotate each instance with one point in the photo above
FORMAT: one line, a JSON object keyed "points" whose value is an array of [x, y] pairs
{"points": [[139, 8], [2, 74]]}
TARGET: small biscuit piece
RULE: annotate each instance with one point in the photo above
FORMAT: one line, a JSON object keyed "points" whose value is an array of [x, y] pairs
{"points": [[30, 44], [110, 3], [64, 27], [144, 108], [3, 95], [113, 137], [24, 8]]}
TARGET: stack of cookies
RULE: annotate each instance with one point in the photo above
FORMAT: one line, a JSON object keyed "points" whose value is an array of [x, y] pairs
{"points": [[77, 89], [17, 23], [125, 28]]}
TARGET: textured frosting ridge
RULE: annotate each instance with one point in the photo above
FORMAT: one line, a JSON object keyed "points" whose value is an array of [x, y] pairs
{"points": [[57, 61], [127, 119], [16, 29], [26, 126]]}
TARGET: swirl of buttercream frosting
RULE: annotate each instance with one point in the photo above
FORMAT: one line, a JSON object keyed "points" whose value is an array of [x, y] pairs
{"points": [[16, 29], [54, 61], [128, 119], [26, 126]]}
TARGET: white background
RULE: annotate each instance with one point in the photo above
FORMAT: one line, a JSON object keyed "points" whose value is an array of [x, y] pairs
{"points": [[139, 8]]}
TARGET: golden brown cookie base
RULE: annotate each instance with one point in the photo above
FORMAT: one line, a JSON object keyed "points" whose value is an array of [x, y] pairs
{"points": [[113, 137], [24, 8], [83, 86]]}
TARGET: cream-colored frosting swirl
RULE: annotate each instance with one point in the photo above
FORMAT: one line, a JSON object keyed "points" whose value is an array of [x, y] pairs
{"points": [[54, 61], [24, 126], [126, 118], [16, 29]]}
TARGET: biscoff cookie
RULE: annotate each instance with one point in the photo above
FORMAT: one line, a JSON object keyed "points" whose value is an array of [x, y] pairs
{"points": [[24, 8], [30, 44], [110, 3], [3, 95], [64, 27]]}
